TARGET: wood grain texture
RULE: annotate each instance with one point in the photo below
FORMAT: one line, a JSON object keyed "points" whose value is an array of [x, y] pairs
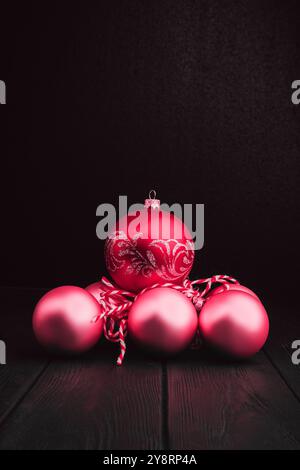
{"points": [[215, 405], [284, 330], [90, 403], [74, 403], [196, 401], [25, 361]]}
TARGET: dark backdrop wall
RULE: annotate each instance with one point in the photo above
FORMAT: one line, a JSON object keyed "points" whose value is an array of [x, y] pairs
{"points": [[192, 98]]}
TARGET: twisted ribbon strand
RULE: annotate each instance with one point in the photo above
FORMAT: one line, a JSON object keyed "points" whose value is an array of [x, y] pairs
{"points": [[116, 303]]}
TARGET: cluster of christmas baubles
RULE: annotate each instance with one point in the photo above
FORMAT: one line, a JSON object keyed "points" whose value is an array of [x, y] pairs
{"points": [[162, 319]]}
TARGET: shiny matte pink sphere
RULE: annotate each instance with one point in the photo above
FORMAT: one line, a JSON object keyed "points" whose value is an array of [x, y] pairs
{"points": [[163, 320], [234, 322], [97, 288], [222, 288], [62, 320]]}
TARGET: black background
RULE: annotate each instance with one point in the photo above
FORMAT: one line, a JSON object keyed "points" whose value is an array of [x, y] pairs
{"points": [[191, 98]]}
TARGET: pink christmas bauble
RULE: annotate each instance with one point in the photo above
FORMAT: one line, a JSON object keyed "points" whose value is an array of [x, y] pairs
{"points": [[150, 247], [97, 288], [223, 288], [163, 320], [62, 320], [234, 322]]}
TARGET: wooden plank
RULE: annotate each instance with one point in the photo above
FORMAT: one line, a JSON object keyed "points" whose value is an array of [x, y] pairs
{"points": [[15, 381], [218, 405], [90, 403], [284, 330], [24, 362]]}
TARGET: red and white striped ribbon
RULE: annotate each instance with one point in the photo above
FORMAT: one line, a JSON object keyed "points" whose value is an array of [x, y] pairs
{"points": [[116, 303]]}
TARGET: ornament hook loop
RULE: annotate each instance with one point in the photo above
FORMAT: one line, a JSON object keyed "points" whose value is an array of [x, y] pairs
{"points": [[152, 194]]}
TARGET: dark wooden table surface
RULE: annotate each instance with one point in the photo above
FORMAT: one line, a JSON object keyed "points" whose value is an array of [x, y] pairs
{"points": [[195, 401]]}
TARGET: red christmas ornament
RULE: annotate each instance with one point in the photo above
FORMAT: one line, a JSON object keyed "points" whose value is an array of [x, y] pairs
{"points": [[63, 320], [98, 289], [234, 322], [162, 320], [225, 287], [151, 247]]}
